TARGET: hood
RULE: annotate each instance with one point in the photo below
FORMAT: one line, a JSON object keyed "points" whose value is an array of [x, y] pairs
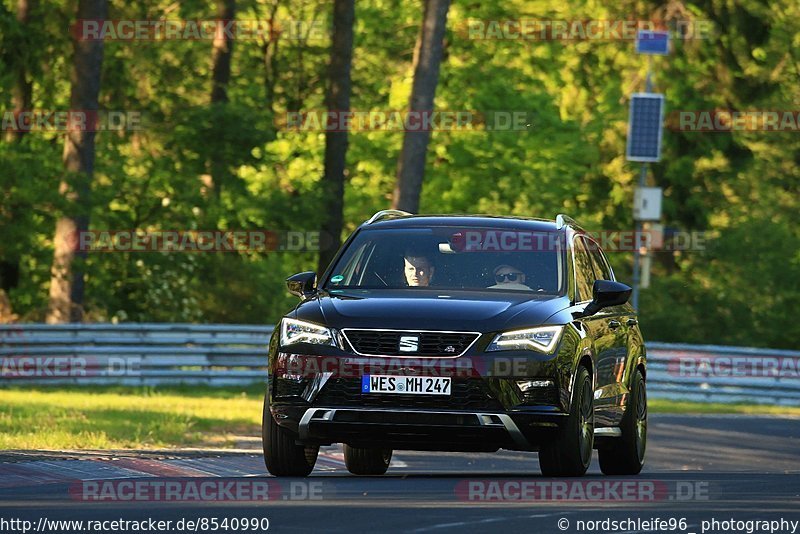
{"points": [[429, 309]]}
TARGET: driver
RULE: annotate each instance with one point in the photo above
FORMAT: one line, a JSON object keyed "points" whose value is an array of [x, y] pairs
{"points": [[418, 269]]}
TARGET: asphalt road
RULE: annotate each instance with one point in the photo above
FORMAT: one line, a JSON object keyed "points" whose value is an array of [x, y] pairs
{"points": [[699, 468]]}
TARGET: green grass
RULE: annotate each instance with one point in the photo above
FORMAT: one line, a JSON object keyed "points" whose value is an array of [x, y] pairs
{"points": [[119, 417], [135, 417]]}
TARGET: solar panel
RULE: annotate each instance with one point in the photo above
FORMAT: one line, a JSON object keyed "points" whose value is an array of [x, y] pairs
{"points": [[653, 43], [645, 126]]}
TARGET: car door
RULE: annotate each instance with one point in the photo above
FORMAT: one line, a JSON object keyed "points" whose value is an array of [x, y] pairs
{"points": [[602, 328], [614, 363]]}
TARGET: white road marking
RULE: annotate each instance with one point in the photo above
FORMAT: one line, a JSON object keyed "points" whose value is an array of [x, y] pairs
{"points": [[476, 522]]}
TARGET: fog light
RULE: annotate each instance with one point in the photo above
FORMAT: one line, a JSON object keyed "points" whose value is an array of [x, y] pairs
{"points": [[292, 377], [290, 367], [289, 386], [528, 385]]}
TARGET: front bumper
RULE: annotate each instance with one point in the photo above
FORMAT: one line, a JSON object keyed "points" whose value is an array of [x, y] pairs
{"points": [[412, 429], [320, 400]]}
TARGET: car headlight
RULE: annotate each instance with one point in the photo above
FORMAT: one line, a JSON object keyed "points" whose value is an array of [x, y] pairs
{"points": [[541, 339], [294, 331]]}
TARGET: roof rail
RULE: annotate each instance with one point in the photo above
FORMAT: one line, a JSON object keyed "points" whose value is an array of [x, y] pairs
{"points": [[565, 220], [387, 214]]}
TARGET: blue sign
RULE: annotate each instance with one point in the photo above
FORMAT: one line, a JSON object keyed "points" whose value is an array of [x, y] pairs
{"points": [[652, 42]]}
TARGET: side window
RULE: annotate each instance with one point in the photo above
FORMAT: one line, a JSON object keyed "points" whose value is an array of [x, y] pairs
{"points": [[584, 275], [601, 267], [352, 271]]}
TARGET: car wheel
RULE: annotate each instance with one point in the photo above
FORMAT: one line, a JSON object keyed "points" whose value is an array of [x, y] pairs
{"points": [[570, 453], [625, 455], [282, 456], [367, 461]]}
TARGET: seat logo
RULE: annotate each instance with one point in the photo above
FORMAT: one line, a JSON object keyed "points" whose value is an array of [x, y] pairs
{"points": [[409, 343]]}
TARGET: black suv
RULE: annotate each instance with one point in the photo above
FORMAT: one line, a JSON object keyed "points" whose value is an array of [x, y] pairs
{"points": [[459, 333]]}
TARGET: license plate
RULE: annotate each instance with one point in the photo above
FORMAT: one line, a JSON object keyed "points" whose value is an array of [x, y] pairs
{"points": [[413, 385]]}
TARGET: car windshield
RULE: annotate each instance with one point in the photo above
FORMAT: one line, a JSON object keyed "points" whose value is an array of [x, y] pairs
{"points": [[486, 259]]}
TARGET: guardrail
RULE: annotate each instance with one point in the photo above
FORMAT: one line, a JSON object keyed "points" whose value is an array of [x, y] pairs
{"points": [[133, 354], [235, 355], [713, 373]]}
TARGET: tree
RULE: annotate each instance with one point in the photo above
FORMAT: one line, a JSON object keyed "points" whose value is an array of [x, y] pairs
{"points": [[221, 57], [21, 91], [338, 100], [427, 58], [67, 278]]}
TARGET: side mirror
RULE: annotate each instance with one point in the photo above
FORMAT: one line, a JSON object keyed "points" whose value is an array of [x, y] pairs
{"points": [[606, 293], [302, 284]]}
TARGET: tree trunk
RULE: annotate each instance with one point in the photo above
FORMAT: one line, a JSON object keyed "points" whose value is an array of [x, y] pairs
{"points": [[427, 58], [269, 49], [338, 98], [9, 278], [221, 57], [222, 53], [67, 278], [21, 91]]}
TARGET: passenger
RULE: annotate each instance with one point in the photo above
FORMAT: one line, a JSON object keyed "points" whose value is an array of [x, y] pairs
{"points": [[509, 277]]}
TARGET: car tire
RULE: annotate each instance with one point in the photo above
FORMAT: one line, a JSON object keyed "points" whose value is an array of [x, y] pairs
{"points": [[282, 456], [625, 455], [367, 461], [570, 453]]}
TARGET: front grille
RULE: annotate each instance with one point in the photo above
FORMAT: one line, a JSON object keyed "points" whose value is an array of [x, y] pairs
{"points": [[470, 394], [387, 342]]}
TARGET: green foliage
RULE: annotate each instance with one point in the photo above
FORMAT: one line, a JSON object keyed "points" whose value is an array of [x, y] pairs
{"points": [[742, 187]]}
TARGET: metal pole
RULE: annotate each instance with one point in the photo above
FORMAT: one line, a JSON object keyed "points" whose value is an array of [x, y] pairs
{"points": [[636, 255], [638, 224]]}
